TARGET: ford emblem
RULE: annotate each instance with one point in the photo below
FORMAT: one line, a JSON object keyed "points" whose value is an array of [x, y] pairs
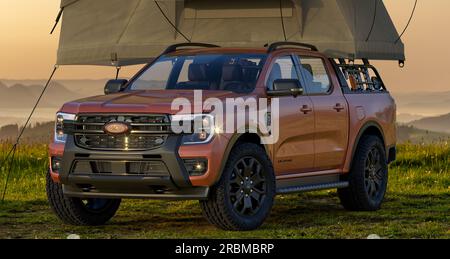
{"points": [[116, 128]]}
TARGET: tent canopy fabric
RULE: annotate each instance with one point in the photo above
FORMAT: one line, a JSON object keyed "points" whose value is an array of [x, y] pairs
{"points": [[117, 32]]}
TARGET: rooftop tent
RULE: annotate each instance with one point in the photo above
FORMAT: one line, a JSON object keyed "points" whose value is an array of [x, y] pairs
{"points": [[97, 32]]}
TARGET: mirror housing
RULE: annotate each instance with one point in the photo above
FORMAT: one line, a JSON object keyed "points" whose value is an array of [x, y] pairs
{"points": [[286, 87], [115, 86]]}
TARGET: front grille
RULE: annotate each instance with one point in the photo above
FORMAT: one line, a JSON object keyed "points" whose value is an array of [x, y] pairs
{"points": [[108, 142], [147, 131]]}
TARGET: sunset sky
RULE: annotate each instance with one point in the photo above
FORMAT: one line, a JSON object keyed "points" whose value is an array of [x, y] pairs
{"points": [[27, 51]]}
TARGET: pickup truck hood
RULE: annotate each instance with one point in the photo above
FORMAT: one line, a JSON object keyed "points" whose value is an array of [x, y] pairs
{"points": [[158, 102]]}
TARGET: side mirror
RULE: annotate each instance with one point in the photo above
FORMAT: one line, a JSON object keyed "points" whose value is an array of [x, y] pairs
{"points": [[286, 87], [115, 86]]}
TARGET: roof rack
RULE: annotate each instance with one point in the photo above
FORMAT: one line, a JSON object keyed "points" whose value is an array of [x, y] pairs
{"points": [[276, 45], [175, 47]]}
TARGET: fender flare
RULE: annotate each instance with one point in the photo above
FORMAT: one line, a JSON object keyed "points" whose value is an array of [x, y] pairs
{"points": [[361, 132], [231, 144]]}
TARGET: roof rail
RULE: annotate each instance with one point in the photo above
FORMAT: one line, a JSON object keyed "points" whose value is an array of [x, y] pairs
{"points": [[276, 45], [175, 47]]}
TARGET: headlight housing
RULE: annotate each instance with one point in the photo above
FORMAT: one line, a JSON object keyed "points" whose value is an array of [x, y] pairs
{"points": [[61, 117], [197, 128]]}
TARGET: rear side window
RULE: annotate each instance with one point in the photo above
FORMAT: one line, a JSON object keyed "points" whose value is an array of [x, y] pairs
{"points": [[283, 68], [315, 74]]}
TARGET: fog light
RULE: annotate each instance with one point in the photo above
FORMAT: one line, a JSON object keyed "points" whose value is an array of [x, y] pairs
{"points": [[56, 164], [199, 167], [196, 167]]}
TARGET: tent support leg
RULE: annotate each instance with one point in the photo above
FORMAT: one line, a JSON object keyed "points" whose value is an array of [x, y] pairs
{"points": [[11, 154]]}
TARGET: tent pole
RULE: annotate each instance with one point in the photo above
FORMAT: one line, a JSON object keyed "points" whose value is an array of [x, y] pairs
{"points": [[58, 17], [373, 21], [9, 168], [170, 22], [13, 150], [409, 22], [282, 20]]}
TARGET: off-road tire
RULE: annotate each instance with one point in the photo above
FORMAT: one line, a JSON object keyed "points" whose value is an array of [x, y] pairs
{"points": [[356, 197], [219, 209], [73, 211]]}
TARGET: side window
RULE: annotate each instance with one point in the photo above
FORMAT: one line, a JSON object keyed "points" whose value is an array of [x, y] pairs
{"points": [[283, 68], [316, 76]]}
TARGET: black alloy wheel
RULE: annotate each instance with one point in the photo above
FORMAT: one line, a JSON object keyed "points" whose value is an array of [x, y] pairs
{"points": [[248, 186]]}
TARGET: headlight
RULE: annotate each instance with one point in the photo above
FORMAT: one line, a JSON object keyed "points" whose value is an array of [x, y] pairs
{"points": [[60, 136], [198, 128]]}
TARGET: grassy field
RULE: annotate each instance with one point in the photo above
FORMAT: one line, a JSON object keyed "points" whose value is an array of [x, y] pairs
{"points": [[417, 206]]}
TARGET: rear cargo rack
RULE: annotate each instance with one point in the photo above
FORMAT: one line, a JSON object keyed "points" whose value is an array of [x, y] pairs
{"points": [[176, 47], [359, 76], [277, 45]]}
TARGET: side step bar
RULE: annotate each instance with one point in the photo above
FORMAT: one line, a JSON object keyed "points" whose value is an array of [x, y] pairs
{"points": [[313, 187]]}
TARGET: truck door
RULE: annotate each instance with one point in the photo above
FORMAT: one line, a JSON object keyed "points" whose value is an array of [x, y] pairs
{"points": [[330, 111], [294, 151]]}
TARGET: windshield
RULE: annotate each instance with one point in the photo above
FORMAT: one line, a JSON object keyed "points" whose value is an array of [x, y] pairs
{"points": [[229, 72]]}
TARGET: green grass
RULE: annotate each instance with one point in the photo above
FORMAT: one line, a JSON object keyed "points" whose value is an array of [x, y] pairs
{"points": [[417, 206]]}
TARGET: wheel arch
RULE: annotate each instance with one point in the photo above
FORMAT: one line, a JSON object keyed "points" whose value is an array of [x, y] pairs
{"points": [[369, 128], [235, 140]]}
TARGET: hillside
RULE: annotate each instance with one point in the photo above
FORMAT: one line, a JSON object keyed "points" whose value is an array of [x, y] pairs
{"points": [[23, 96], [439, 123], [423, 103], [83, 87], [411, 105], [407, 117], [17, 99], [410, 134]]}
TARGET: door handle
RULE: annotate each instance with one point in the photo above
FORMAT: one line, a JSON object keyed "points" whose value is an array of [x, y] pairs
{"points": [[306, 109], [338, 107]]}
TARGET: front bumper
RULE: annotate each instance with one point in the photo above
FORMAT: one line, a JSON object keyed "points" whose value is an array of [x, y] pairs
{"points": [[78, 181]]}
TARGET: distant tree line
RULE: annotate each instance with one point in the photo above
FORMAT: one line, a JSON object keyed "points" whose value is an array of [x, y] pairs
{"points": [[39, 132]]}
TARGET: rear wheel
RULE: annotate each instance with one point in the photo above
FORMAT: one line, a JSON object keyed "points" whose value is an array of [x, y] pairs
{"points": [[80, 212], [244, 196], [368, 177]]}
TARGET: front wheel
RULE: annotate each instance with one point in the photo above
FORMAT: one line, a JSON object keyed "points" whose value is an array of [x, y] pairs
{"points": [[80, 212], [368, 177], [244, 196]]}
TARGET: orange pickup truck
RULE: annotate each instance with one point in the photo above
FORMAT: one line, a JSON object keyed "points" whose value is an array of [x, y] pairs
{"points": [[336, 131]]}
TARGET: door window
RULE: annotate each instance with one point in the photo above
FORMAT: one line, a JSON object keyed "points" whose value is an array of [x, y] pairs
{"points": [[316, 76], [283, 68]]}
